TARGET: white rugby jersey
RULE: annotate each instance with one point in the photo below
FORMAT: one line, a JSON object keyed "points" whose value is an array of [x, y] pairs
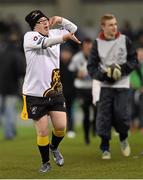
{"points": [[79, 63], [42, 72]]}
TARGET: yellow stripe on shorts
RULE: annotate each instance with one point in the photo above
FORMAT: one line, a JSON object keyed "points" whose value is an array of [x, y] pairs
{"points": [[24, 113]]}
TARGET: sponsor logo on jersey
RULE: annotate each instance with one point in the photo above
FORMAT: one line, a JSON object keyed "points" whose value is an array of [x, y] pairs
{"points": [[35, 38]]}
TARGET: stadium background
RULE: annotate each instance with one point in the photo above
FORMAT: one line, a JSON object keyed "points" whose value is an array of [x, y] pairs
{"points": [[19, 158], [78, 10]]}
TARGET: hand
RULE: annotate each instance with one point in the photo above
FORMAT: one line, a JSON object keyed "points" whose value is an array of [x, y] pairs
{"points": [[71, 36], [55, 20], [81, 74], [114, 71], [117, 73]]}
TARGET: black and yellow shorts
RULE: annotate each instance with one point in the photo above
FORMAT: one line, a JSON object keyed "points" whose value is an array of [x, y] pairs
{"points": [[36, 107]]}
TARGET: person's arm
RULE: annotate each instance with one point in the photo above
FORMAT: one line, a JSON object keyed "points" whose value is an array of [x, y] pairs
{"points": [[132, 62], [47, 42], [65, 23], [68, 25], [32, 40]]}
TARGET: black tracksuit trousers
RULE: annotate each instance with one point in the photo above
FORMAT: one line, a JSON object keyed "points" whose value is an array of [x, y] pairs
{"points": [[113, 111]]}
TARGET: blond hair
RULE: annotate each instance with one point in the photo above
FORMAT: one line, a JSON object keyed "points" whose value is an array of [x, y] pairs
{"points": [[106, 17]]}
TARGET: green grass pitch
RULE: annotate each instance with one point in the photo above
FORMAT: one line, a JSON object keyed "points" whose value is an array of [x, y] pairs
{"points": [[20, 158]]}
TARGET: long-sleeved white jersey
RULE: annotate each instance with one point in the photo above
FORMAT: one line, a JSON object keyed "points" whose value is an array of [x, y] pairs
{"points": [[43, 60], [79, 63]]}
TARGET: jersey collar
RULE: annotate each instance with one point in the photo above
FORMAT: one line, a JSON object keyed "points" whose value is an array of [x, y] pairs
{"points": [[101, 35]]}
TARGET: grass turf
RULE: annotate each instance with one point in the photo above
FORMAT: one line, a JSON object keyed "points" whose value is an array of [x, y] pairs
{"points": [[19, 158]]}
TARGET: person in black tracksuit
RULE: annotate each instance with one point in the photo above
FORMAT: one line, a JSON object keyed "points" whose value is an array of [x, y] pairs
{"points": [[111, 60]]}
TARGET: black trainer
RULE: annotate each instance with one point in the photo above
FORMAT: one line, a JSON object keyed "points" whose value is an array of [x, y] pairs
{"points": [[45, 167], [57, 156]]}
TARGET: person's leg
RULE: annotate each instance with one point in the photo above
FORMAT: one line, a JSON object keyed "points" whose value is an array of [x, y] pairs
{"points": [[105, 147], [86, 122], [70, 116], [41, 126], [94, 119], [134, 111], [122, 118], [122, 114], [10, 116], [59, 121], [104, 118], [69, 107], [86, 103]]}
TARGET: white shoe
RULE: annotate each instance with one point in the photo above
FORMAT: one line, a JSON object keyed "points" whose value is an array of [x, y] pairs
{"points": [[125, 148], [106, 155], [71, 134]]}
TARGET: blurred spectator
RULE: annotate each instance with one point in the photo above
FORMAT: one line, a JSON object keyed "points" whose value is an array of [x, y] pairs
{"points": [[89, 29], [15, 31], [139, 35], [136, 79], [14, 25], [83, 84], [71, 45], [127, 29], [67, 80], [139, 31], [139, 42], [4, 28], [12, 68]]}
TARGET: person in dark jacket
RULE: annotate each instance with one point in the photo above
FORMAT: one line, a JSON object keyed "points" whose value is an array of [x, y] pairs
{"points": [[12, 69], [111, 60]]}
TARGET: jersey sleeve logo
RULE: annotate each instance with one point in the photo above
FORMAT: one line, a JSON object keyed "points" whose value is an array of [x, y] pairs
{"points": [[35, 38]]}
